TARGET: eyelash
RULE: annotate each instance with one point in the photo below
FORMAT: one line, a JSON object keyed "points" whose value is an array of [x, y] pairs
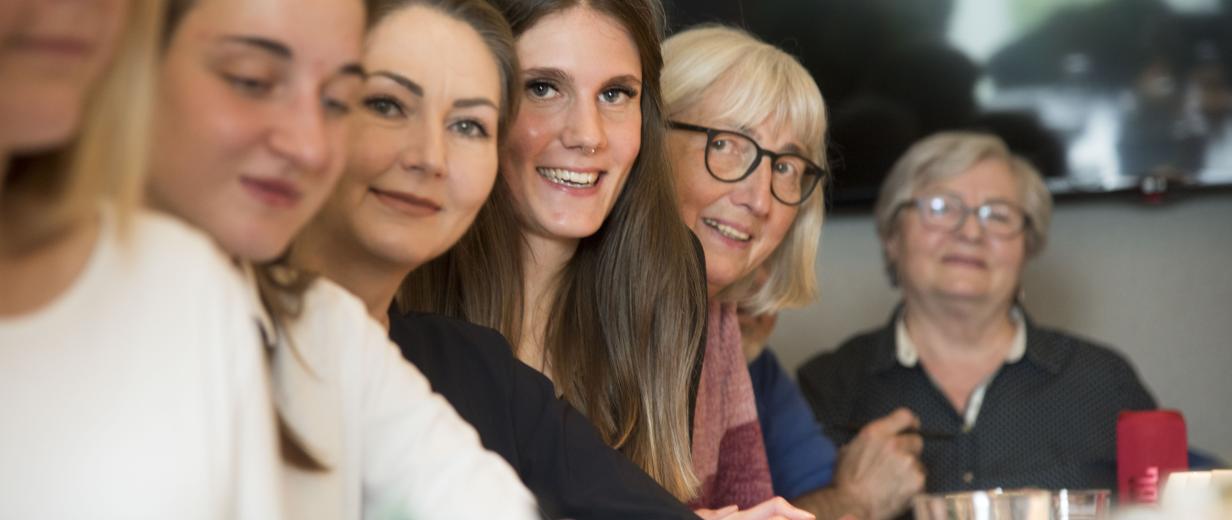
{"points": [[537, 83], [626, 91], [335, 107], [249, 85], [373, 104], [478, 131]]}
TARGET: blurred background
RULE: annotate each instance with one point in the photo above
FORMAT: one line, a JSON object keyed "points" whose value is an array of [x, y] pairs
{"points": [[1124, 105]]}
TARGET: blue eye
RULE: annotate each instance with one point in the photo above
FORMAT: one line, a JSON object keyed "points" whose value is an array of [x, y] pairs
{"points": [[617, 95], [539, 89]]}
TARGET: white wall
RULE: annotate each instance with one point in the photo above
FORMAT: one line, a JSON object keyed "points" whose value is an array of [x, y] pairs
{"points": [[1153, 282]]}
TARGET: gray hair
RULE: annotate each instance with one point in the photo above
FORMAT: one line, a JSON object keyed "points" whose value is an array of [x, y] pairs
{"points": [[947, 154]]}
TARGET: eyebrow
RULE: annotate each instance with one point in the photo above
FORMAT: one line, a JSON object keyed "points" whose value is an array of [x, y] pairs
{"points": [[271, 46], [352, 69], [550, 73], [475, 102], [627, 78], [404, 81]]}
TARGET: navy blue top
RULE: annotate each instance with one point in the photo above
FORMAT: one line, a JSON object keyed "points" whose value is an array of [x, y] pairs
{"points": [[1048, 420], [801, 457]]}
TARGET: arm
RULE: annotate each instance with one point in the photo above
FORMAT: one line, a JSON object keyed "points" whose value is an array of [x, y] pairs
{"points": [[420, 460]]}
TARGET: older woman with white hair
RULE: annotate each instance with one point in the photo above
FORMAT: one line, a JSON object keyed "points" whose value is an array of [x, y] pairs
{"points": [[1004, 402], [748, 152]]}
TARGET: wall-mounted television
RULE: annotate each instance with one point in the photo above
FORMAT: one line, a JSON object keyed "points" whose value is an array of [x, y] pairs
{"points": [[1101, 95]]}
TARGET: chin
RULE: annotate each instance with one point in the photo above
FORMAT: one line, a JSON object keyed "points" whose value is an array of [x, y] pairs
{"points": [[256, 247]]}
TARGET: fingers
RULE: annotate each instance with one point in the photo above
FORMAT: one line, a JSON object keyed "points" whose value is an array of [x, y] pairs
{"points": [[716, 514], [893, 423], [910, 443], [777, 507]]}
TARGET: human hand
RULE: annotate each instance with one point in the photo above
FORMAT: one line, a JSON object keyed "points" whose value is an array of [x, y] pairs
{"points": [[881, 467], [776, 508]]}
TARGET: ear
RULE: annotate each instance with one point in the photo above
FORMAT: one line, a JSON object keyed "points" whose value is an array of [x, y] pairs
{"points": [[892, 246]]}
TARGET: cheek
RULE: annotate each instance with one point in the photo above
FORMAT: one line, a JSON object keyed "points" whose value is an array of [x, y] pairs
{"points": [[372, 152], [625, 140], [777, 227], [528, 136], [471, 179]]}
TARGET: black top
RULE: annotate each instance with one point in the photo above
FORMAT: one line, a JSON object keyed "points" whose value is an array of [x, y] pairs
{"points": [[555, 450], [1048, 420]]}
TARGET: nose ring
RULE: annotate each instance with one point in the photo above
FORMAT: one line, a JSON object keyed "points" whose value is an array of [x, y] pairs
{"points": [[590, 150]]}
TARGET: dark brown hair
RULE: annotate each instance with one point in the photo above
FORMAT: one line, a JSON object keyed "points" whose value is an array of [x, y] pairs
{"points": [[631, 303]]}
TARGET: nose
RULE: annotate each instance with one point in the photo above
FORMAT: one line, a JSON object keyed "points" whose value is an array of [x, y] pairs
{"points": [[753, 192], [300, 135], [584, 128], [971, 229], [425, 150]]}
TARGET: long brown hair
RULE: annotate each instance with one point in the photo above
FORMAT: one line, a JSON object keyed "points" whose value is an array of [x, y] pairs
{"points": [[630, 305]]}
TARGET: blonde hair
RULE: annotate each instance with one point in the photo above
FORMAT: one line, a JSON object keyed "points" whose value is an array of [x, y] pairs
{"points": [[947, 154], [757, 82], [106, 161]]}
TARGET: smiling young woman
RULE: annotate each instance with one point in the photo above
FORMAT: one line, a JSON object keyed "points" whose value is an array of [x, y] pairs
{"points": [[579, 258]]}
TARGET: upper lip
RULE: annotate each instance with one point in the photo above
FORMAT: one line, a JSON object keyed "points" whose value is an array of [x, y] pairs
{"points": [[963, 258], [573, 169], [409, 198], [286, 187], [738, 227]]}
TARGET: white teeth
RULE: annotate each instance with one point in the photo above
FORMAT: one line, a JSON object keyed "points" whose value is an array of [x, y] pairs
{"points": [[569, 178], [727, 231]]}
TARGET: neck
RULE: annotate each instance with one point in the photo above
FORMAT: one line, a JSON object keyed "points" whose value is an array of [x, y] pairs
{"points": [[543, 261], [332, 254], [959, 328]]}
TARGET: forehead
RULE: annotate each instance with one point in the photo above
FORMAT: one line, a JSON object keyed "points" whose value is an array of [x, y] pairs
{"points": [[410, 42], [987, 179], [581, 41], [324, 34], [721, 109]]}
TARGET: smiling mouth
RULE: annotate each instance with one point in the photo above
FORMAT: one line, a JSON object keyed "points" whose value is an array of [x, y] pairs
{"points": [[964, 261], [569, 178], [727, 231]]}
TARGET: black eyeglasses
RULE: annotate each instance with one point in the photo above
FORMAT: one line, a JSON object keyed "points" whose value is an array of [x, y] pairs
{"points": [[948, 212], [732, 157]]}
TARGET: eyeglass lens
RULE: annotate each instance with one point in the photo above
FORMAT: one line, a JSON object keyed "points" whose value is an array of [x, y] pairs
{"points": [[730, 157], [947, 213]]}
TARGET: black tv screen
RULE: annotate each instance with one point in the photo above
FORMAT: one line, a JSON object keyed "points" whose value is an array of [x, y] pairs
{"points": [[1100, 95]]}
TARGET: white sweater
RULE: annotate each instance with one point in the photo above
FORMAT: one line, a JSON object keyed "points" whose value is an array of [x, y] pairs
{"points": [[142, 391], [391, 447]]}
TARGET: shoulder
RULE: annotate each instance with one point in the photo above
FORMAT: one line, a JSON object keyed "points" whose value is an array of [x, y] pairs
{"points": [[1076, 352], [449, 351], [854, 355]]}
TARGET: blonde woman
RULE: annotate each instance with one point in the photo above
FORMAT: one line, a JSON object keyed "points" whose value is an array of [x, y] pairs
{"points": [[255, 98], [122, 398], [748, 150]]}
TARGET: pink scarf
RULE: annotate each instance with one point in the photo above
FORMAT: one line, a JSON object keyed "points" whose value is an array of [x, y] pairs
{"points": [[729, 454]]}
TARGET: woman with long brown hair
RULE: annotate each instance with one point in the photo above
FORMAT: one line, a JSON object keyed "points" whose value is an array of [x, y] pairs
{"points": [[422, 162], [579, 257]]}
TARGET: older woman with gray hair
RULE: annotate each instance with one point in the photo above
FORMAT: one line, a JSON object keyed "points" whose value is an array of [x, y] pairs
{"points": [[748, 153], [1002, 401]]}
